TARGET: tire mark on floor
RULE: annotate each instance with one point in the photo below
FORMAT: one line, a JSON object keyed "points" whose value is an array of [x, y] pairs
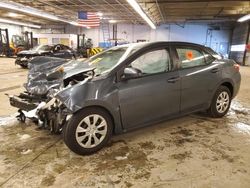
{"points": [[12, 72], [10, 88]]}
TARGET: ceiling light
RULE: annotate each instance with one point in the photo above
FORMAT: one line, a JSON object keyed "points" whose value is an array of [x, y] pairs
{"points": [[27, 10], [238, 48], [12, 14], [99, 14], [138, 9], [244, 18], [32, 11], [112, 21], [19, 23]]}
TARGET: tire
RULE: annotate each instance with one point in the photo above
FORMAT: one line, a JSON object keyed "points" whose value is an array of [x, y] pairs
{"points": [[24, 66], [221, 102], [73, 57], [81, 134]]}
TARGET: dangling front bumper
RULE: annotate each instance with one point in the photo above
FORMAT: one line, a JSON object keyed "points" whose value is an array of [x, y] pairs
{"points": [[22, 103]]}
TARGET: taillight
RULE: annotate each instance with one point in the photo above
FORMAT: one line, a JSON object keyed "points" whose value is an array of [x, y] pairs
{"points": [[237, 67]]}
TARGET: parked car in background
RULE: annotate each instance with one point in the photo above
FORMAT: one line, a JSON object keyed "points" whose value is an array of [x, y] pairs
{"points": [[58, 50], [127, 87]]}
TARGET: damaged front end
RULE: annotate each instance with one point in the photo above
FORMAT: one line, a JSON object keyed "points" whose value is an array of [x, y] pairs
{"points": [[52, 115], [47, 77]]}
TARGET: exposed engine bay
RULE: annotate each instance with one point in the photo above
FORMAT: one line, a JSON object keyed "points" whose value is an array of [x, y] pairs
{"points": [[46, 78]]}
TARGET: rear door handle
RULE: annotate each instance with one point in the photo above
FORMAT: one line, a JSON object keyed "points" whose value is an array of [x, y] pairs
{"points": [[173, 80], [214, 70]]}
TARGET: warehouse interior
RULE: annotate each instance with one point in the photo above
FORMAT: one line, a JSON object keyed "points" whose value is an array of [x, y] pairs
{"points": [[193, 150]]}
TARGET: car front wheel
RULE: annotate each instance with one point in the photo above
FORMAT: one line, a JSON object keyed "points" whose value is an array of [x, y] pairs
{"points": [[88, 131], [221, 102]]}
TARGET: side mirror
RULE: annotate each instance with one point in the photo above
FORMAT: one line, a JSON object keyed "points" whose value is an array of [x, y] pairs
{"points": [[130, 72], [222, 56]]}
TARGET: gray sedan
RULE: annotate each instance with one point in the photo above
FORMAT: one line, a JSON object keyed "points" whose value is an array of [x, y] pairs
{"points": [[132, 86]]}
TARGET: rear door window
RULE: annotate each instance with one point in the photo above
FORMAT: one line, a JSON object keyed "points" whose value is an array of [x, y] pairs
{"points": [[190, 57], [65, 47]]}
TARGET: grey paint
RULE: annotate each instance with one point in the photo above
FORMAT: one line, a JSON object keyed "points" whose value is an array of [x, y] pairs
{"points": [[138, 102], [197, 84], [148, 98]]}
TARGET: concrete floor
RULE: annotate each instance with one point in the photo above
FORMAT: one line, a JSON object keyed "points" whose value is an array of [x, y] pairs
{"points": [[193, 151]]}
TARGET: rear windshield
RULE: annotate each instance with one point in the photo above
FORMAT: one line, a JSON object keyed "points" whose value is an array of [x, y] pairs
{"points": [[42, 48]]}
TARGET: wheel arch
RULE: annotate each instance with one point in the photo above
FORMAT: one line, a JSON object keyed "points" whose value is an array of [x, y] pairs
{"points": [[225, 82], [70, 136], [229, 85], [213, 103], [114, 115]]}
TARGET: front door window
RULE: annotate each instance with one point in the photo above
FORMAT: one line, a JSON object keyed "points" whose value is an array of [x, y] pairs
{"points": [[152, 62]]}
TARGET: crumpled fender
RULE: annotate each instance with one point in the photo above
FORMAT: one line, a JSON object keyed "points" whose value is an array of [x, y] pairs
{"points": [[73, 97], [92, 93]]}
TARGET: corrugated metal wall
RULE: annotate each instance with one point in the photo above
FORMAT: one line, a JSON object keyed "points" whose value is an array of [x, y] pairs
{"points": [[240, 36]]}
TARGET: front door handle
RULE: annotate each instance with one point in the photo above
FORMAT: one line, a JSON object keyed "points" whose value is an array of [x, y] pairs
{"points": [[173, 80], [214, 70]]}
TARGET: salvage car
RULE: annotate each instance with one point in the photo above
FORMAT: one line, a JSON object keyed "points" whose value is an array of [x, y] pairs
{"points": [[124, 88], [58, 50]]}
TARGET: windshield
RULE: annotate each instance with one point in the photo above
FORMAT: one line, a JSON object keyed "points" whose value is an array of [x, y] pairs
{"points": [[107, 60], [42, 48]]}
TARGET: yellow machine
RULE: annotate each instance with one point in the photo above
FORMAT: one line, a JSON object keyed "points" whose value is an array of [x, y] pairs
{"points": [[17, 44], [94, 51]]}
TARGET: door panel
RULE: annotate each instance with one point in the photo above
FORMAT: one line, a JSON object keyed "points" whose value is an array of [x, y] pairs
{"points": [[60, 54], [197, 85], [149, 98], [153, 95], [199, 76]]}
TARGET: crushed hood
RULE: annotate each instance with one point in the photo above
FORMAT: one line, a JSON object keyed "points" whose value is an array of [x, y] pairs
{"points": [[75, 67], [31, 52], [41, 67]]}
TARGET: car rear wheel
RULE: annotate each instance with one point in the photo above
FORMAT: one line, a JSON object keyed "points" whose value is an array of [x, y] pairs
{"points": [[88, 131], [221, 102]]}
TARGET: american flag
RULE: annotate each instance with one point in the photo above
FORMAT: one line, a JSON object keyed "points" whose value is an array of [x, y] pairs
{"points": [[88, 19]]}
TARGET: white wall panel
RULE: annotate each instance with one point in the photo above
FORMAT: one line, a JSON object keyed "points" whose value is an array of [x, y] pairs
{"points": [[12, 29], [129, 32], [188, 33]]}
